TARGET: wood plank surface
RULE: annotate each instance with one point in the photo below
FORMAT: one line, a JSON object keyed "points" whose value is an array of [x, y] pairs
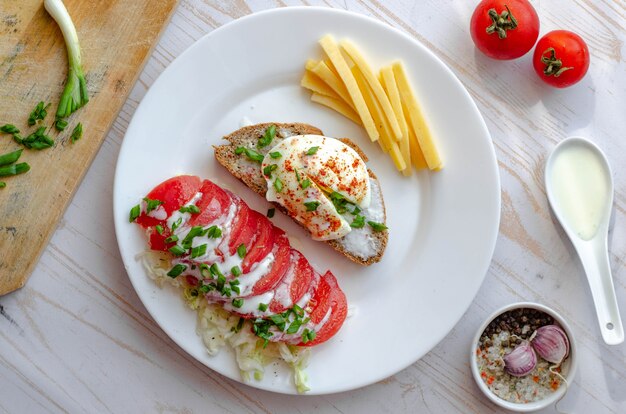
{"points": [[116, 38], [76, 338]]}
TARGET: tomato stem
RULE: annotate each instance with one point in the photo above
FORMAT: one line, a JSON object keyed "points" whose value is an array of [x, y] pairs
{"points": [[502, 22], [554, 66]]}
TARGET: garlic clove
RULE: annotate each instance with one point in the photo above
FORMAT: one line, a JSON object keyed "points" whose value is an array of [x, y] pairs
{"points": [[551, 343], [521, 361]]}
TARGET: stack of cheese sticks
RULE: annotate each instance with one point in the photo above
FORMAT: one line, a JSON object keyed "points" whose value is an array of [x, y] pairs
{"points": [[385, 105]]}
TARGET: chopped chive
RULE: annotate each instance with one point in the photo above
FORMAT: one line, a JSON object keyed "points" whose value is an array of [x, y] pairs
{"points": [[262, 307], [297, 309], [312, 150], [215, 271], [238, 303], [312, 205], [173, 238], [356, 210], [250, 153], [9, 129], [221, 280], [205, 271], [194, 232], [306, 183], [266, 139], [279, 321], [39, 113], [270, 212], [214, 232], [358, 222], [234, 282], [377, 226], [267, 171], [235, 271], [274, 154], [240, 324], [241, 250], [159, 228], [37, 140], [11, 157], [177, 250], [198, 251], [297, 174], [134, 213], [295, 325], [2, 184], [151, 204], [176, 270], [77, 132], [60, 124], [278, 185], [189, 209], [177, 223]]}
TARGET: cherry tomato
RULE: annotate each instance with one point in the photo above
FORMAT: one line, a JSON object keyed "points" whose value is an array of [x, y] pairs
{"points": [[504, 29], [561, 58]]}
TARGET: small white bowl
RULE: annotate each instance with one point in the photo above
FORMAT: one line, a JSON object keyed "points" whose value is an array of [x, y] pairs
{"points": [[570, 364]]}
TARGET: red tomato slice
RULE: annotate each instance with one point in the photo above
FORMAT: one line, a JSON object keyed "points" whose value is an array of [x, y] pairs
{"points": [[157, 241], [263, 243], [339, 310], [174, 193], [244, 229], [320, 302], [301, 274], [280, 266], [213, 204]]}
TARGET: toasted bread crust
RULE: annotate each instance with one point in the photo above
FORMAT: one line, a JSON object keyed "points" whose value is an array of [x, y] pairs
{"points": [[250, 174]]}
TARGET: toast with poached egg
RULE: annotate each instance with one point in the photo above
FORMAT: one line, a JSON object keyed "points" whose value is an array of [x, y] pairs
{"points": [[320, 182]]}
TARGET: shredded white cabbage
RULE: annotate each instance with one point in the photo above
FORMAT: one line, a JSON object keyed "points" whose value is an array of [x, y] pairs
{"points": [[218, 327]]}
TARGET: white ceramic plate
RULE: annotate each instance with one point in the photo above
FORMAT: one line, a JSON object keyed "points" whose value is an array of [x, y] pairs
{"points": [[443, 225]]}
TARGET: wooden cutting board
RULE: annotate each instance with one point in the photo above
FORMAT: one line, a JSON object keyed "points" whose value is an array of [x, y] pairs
{"points": [[116, 37]]}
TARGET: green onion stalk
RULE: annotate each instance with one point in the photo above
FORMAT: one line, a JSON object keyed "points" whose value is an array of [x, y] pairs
{"points": [[75, 93]]}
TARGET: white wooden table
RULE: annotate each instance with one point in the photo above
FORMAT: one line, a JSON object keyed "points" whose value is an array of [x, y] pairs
{"points": [[77, 339]]}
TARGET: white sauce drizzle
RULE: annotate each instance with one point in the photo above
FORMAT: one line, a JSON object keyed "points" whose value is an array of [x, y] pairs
{"points": [[362, 242]]}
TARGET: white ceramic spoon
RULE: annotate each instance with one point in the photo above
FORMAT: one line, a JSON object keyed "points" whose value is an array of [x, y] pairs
{"points": [[579, 185]]}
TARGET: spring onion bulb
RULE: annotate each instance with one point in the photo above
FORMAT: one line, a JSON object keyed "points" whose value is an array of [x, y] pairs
{"points": [[75, 93]]}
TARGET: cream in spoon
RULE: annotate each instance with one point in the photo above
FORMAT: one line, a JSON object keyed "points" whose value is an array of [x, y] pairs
{"points": [[579, 185]]}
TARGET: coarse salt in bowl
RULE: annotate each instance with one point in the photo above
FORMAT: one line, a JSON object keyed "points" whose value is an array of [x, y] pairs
{"points": [[569, 365]]}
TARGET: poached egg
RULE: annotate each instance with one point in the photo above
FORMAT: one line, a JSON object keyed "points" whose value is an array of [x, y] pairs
{"points": [[305, 172]]}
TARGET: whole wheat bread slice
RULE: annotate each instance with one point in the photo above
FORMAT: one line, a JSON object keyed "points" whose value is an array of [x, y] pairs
{"points": [[249, 172]]}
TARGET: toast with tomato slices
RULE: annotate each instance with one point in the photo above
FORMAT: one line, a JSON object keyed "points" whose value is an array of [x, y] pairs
{"points": [[249, 172], [238, 259]]}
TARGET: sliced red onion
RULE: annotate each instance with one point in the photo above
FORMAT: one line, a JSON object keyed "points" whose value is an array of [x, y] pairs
{"points": [[521, 361], [551, 343]]}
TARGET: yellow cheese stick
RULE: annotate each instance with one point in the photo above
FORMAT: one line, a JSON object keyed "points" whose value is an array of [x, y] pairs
{"points": [[316, 85], [379, 118], [352, 51], [417, 157], [335, 83], [310, 64], [334, 54], [416, 118], [331, 67], [389, 85], [372, 106], [338, 105]]}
